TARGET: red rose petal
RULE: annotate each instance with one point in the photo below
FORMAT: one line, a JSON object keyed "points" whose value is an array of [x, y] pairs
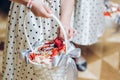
{"points": [[32, 56], [58, 42], [107, 14]]}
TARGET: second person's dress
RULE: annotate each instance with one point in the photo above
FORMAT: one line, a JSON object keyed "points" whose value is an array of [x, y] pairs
{"points": [[88, 21]]}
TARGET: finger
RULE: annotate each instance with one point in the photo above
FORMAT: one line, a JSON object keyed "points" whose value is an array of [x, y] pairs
{"points": [[45, 13], [40, 13], [74, 32], [69, 34], [59, 33], [48, 9]]}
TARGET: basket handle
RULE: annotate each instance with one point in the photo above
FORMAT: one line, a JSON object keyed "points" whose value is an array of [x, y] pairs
{"points": [[61, 26]]}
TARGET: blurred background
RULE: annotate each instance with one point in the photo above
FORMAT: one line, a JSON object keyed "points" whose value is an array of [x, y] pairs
{"points": [[103, 58]]}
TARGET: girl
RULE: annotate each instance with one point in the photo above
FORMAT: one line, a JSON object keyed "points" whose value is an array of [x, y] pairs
{"points": [[13, 67]]}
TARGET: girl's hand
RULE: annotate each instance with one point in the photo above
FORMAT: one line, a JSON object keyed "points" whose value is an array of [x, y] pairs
{"points": [[40, 9], [66, 10], [71, 32]]}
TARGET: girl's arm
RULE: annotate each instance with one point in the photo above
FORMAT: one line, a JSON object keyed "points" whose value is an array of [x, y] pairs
{"points": [[67, 7]]}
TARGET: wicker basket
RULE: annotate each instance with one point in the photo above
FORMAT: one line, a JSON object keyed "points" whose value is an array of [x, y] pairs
{"points": [[65, 67]]}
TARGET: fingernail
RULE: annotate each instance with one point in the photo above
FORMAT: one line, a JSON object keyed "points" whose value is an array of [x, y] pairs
{"points": [[50, 11]]}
